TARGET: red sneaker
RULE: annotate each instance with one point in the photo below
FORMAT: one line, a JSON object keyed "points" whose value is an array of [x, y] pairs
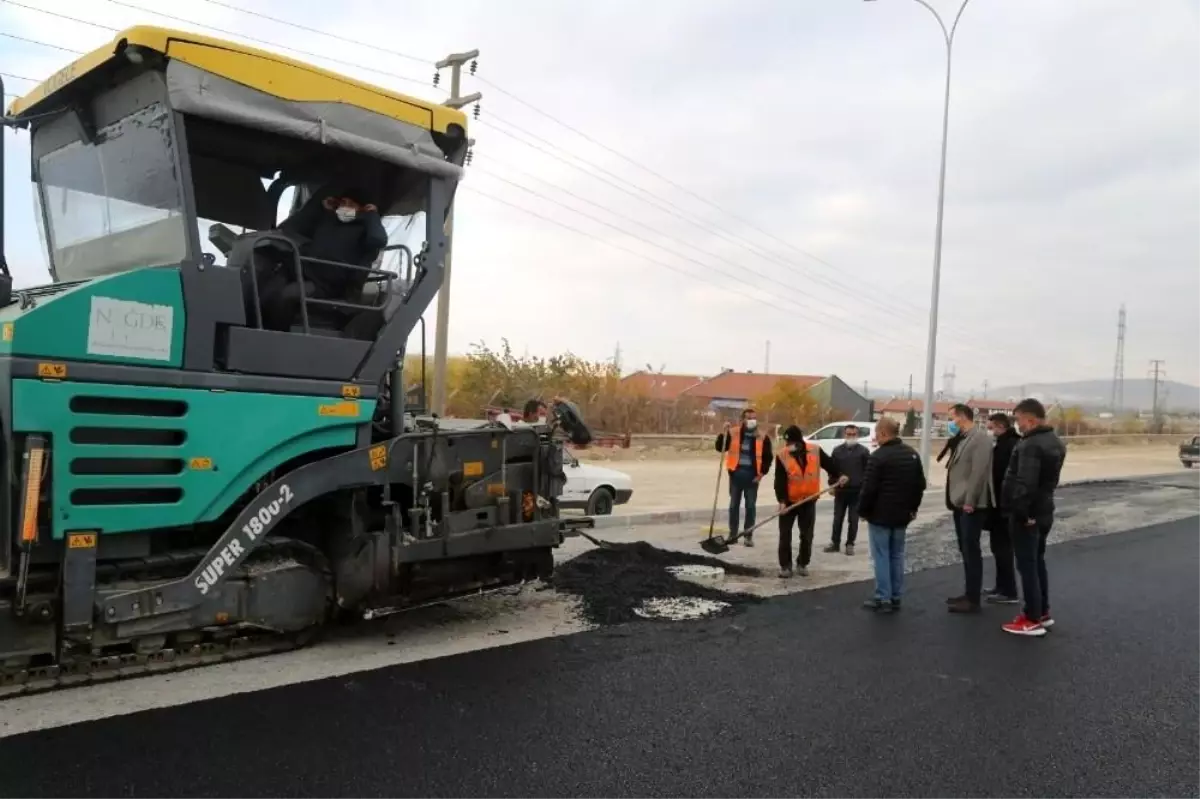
{"points": [[1023, 626], [1047, 621]]}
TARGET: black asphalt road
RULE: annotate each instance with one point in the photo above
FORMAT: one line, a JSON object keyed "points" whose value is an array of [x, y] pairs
{"points": [[805, 695]]}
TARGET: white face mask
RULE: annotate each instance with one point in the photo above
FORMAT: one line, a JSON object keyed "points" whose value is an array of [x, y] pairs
{"points": [[541, 420], [346, 214], [751, 424], [793, 448]]}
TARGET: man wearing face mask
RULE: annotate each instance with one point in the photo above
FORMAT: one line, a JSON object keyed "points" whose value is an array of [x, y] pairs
{"points": [[969, 493], [851, 458], [342, 227], [798, 477], [331, 226], [1028, 489], [747, 459], [1004, 438]]}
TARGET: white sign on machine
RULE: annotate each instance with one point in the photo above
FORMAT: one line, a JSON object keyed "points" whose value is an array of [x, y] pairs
{"points": [[128, 329]]}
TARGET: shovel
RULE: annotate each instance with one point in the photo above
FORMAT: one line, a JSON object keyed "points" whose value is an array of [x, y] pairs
{"points": [[720, 545], [711, 544]]}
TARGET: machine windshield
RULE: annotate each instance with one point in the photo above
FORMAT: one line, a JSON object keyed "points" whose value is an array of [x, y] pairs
{"points": [[114, 204]]}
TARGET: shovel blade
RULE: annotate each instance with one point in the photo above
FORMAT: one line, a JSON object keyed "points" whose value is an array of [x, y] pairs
{"points": [[714, 546]]}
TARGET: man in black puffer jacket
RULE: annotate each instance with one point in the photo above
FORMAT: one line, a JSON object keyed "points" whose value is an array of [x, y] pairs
{"points": [[1028, 493], [892, 491], [1004, 438]]}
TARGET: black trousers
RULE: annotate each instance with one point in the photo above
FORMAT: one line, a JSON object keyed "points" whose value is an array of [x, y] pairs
{"points": [[845, 501], [1000, 538], [968, 528], [804, 517], [1029, 541]]}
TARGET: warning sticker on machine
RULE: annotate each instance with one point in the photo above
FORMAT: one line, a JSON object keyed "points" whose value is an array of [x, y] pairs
{"points": [[128, 329], [379, 457], [81, 541]]}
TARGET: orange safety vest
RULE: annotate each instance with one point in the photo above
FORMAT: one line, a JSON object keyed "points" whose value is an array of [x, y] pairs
{"points": [[734, 453], [802, 482]]}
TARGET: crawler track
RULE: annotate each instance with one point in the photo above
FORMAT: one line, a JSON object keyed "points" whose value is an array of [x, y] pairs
{"points": [[36, 680]]}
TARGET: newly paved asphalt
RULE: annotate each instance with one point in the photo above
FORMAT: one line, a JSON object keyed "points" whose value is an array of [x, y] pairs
{"points": [[804, 695]]}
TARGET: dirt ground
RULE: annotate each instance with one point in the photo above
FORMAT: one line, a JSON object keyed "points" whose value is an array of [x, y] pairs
{"points": [[672, 479]]}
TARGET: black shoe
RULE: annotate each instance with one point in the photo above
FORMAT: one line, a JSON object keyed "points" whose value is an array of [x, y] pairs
{"points": [[1001, 599], [962, 605], [895, 604], [954, 600], [747, 540], [832, 548], [877, 606]]}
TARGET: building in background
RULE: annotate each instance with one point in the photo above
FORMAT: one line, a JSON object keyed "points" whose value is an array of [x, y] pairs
{"points": [[728, 393]]}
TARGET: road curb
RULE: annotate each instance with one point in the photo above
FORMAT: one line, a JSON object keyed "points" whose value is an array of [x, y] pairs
{"points": [[627, 520]]}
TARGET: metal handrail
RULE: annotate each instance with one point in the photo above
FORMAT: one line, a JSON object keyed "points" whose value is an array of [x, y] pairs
{"points": [[297, 265]]}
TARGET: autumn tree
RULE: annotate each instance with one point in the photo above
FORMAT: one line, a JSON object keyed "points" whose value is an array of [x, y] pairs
{"points": [[787, 404]]}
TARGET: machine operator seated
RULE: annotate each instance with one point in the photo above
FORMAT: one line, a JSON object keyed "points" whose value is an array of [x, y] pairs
{"points": [[341, 226]]}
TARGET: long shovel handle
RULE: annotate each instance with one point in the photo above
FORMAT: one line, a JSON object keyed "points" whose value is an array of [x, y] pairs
{"points": [[791, 508], [712, 523]]}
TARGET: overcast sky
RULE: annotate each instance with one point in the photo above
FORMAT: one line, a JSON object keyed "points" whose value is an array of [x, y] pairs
{"points": [[812, 127]]}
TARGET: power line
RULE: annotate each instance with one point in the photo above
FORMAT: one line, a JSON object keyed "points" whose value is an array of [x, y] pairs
{"points": [[334, 36], [817, 313], [707, 225], [223, 31], [789, 311], [623, 185]]}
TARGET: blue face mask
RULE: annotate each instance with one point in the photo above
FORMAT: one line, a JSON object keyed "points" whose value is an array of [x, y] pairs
{"points": [[952, 428]]}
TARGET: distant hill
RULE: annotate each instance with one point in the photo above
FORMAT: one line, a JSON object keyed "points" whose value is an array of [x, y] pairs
{"points": [[1097, 394]]}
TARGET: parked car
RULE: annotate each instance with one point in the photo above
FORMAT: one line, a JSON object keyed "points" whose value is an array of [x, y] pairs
{"points": [[832, 435], [1189, 452], [593, 489]]}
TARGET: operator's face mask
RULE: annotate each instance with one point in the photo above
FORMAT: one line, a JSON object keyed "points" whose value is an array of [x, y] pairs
{"points": [[346, 213], [751, 424]]}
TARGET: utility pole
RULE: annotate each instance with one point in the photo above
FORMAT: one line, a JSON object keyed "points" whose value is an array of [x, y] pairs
{"points": [[985, 386], [931, 347], [455, 62], [1158, 372], [1118, 386], [910, 388], [865, 393]]}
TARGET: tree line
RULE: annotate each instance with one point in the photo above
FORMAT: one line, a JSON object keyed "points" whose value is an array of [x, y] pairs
{"points": [[488, 377]]}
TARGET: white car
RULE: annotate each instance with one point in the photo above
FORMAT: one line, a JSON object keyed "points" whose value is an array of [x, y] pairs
{"points": [[833, 435], [593, 489]]}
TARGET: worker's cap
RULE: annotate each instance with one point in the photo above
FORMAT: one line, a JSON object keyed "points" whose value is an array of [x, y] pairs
{"points": [[793, 435]]}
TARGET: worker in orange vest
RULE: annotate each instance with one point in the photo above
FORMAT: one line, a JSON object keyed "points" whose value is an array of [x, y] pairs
{"points": [[799, 476], [747, 459]]}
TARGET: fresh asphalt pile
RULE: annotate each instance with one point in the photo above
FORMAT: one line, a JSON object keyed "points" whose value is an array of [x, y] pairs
{"points": [[613, 581]]}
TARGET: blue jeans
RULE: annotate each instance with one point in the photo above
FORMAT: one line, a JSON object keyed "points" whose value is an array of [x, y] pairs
{"points": [[742, 486], [887, 553]]}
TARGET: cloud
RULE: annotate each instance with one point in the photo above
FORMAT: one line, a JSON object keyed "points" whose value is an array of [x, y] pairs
{"points": [[1073, 180]]}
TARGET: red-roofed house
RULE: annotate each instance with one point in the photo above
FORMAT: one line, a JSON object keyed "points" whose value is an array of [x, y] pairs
{"points": [[897, 408], [659, 386], [733, 391], [986, 407]]}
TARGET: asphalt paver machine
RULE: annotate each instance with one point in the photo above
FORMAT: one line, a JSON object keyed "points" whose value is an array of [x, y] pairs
{"points": [[183, 483]]}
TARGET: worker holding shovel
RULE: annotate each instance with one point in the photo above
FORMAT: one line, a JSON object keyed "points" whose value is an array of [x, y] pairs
{"points": [[797, 478]]}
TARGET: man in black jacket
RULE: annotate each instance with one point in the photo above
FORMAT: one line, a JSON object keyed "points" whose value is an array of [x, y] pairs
{"points": [[893, 488], [1032, 477], [851, 459], [1004, 439]]}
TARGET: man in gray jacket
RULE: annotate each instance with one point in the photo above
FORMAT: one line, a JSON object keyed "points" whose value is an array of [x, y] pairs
{"points": [[969, 493]]}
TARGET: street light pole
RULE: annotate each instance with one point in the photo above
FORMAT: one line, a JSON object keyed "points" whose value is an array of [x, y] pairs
{"points": [[931, 350]]}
